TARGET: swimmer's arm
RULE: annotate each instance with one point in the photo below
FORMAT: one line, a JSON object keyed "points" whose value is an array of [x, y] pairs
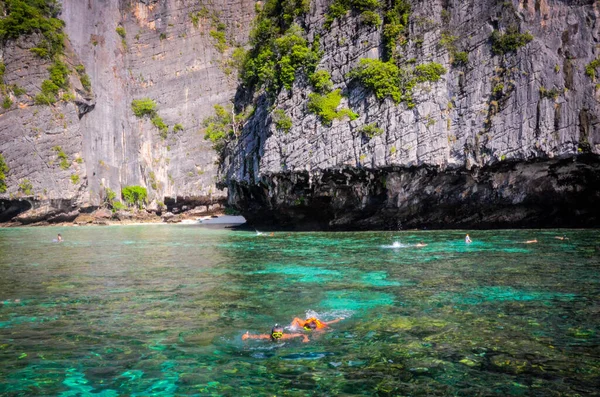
{"points": [[337, 320], [261, 336], [297, 322], [290, 336]]}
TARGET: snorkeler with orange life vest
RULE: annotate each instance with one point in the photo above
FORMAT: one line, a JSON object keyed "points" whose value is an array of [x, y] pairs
{"points": [[310, 324]]}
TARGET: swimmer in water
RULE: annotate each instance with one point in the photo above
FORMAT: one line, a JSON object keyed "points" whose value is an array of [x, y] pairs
{"points": [[58, 238], [276, 334], [468, 239], [531, 241], [421, 244], [312, 323], [561, 237]]}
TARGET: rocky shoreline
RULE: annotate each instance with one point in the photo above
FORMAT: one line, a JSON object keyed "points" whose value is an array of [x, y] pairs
{"points": [[47, 214]]}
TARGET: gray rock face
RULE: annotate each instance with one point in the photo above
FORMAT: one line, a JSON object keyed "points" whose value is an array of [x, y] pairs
{"points": [[164, 57], [525, 107]]}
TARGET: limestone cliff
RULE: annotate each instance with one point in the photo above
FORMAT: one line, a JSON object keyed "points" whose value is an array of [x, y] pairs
{"points": [[63, 157], [508, 136]]}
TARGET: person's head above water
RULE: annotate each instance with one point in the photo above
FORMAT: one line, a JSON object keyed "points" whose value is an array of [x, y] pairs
{"points": [[311, 324], [276, 332]]}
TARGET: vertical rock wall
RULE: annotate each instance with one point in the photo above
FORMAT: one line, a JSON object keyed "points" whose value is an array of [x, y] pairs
{"points": [[529, 105], [165, 56]]}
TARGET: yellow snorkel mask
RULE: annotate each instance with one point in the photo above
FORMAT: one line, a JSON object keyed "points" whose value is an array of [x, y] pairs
{"points": [[276, 332]]}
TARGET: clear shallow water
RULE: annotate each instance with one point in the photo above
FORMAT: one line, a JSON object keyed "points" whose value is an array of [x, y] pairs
{"points": [[160, 311]]}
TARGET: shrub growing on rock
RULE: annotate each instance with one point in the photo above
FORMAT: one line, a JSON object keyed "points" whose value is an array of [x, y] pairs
{"points": [[326, 107], [143, 107], [3, 171], [590, 69], [380, 77], [134, 195], [282, 121], [371, 130], [510, 41], [321, 81]]}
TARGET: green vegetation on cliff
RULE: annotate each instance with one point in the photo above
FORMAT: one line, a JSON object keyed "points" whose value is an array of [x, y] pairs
{"points": [[279, 47], [340, 8], [590, 69], [326, 107], [510, 41], [146, 107], [385, 79], [282, 121], [143, 107], [24, 17], [395, 22], [3, 171], [223, 126], [371, 130], [134, 195], [64, 159], [26, 187]]}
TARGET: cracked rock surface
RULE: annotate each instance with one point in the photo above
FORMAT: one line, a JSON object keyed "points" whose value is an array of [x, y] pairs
{"points": [[524, 110]]}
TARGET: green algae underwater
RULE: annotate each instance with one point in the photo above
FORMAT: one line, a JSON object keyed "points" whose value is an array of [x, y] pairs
{"points": [[159, 310]]}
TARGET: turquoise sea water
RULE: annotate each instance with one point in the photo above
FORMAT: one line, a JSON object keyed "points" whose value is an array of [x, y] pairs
{"points": [[160, 310]]}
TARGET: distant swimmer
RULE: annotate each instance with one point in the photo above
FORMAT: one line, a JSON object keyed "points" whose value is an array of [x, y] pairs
{"points": [[58, 239], [421, 244], [468, 239], [531, 241], [561, 237], [312, 323], [276, 335]]}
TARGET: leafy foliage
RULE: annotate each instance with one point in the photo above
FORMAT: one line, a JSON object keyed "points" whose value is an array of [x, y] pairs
{"points": [[395, 21], [29, 16], [3, 171], [371, 130], [7, 102], [383, 78], [121, 31], [143, 107], [370, 18], [326, 107], [460, 58], [340, 7], [220, 40], [429, 72], [590, 69], [221, 127], [116, 205], [283, 122], [26, 187], [177, 127], [321, 81], [158, 122], [134, 195], [279, 48], [74, 179], [64, 159], [510, 41]]}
